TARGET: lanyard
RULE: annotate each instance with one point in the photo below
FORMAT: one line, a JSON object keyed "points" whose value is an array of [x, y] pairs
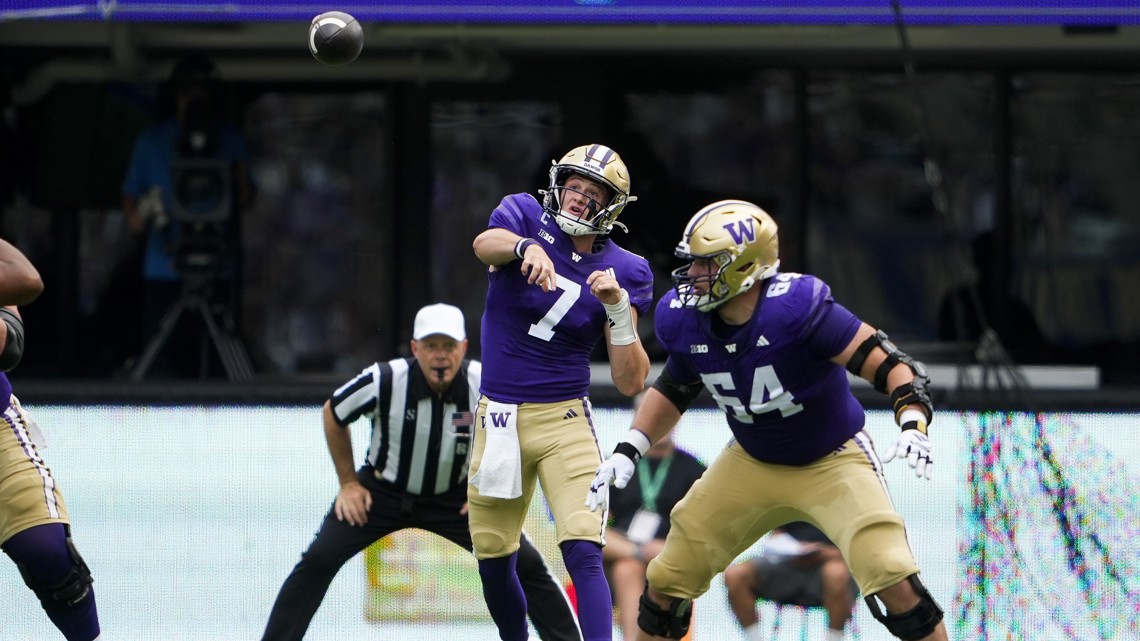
{"points": [[651, 487]]}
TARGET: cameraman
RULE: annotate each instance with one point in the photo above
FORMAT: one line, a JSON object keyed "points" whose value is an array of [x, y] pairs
{"points": [[194, 131]]}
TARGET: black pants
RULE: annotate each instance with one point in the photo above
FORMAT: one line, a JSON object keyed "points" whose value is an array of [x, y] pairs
{"points": [[392, 511]]}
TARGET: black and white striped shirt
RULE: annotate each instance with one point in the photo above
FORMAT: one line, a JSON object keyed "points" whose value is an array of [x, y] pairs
{"points": [[421, 444]]}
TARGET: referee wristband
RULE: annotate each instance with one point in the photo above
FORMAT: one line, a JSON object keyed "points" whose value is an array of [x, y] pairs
{"points": [[520, 247], [622, 331]]}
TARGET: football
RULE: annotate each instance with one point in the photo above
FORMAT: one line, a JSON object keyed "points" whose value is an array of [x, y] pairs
{"points": [[335, 38]]}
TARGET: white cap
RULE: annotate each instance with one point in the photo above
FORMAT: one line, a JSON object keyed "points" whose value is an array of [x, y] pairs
{"points": [[440, 319]]}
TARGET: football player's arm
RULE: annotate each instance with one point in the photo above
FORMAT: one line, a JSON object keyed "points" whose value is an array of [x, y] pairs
{"points": [[629, 364], [353, 500], [892, 378], [498, 246], [895, 376], [657, 414], [20, 281], [660, 410], [872, 357]]}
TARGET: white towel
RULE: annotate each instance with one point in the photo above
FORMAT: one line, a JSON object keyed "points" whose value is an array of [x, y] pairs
{"points": [[500, 470]]}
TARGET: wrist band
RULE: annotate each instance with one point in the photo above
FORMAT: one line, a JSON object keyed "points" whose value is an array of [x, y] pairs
{"points": [[911, 415], [635, 445], [520, 247], [622, 331]]}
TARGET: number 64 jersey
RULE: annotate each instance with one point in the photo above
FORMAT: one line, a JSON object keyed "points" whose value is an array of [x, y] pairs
{"points": [[536, 345], [786, 401]]}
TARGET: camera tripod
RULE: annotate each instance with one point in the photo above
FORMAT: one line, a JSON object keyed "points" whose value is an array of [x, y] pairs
{"points": [[219, 325]]}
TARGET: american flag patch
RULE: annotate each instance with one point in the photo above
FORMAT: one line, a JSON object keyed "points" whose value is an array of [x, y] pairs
{"points": [[462, 422]]}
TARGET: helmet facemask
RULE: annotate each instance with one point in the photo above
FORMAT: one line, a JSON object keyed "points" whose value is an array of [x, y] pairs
{"points": [[704, 292], [741, 259], [600, 165]]}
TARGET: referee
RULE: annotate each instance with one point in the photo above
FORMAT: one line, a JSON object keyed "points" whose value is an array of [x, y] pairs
{"points": [[414, 476]]}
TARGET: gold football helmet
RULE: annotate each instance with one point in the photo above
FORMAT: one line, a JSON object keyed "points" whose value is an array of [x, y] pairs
{"points": [[740, 240], [601, 165]]}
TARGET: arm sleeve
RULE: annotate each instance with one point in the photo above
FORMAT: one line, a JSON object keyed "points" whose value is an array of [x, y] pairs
{"points": [[640, 289], [358, 397], [828, 327], [509, 215]]}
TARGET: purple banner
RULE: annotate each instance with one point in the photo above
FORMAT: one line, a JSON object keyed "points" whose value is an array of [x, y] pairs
{"points": [[769, 12]]}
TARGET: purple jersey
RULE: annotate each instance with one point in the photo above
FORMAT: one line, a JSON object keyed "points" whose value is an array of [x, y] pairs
{"points": [[536, 344], [5, 391], [786, 401]]}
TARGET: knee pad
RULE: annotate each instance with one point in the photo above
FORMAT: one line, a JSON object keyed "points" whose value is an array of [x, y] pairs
{"points": [[490, 545], [584, 525], [671, 622], [915, 623], [67, 592]]}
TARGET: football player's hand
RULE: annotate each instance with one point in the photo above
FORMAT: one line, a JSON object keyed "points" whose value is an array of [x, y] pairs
{"points": [[353, 503], [617, 469], [914, 445], [538, 268], [604, 287]]}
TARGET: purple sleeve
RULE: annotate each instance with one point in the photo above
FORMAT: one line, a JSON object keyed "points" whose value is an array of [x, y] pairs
{"points": [[666, 325], [509, 215], [640, 289], [830, 327]]}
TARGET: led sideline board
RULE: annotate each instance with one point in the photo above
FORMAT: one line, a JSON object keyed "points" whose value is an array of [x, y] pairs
{"points": [[191, 518], [536, 12]]}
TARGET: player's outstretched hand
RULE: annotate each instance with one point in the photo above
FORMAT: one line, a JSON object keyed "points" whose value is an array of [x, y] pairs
{"points": [[617, 469], [538, 268], [914, 446], [353, 502]]}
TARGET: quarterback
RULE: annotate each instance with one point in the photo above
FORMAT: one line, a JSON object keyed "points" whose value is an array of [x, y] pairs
{"points": [[771, 348], [557, 285]]}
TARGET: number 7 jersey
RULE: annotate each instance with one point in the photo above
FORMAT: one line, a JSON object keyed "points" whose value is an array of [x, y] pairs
{"points": [[536, 345], [786, 401]]}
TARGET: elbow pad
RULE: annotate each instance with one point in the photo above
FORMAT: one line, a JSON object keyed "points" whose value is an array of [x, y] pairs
{"points": [[680, 394], [913, 393], [14, 344]]}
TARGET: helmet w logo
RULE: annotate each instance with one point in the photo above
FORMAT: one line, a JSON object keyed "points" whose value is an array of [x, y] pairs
{"points": [[742, 229]]}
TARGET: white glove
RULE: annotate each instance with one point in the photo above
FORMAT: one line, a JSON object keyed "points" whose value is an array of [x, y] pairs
{"points": [[617, 469], [914, 444]]}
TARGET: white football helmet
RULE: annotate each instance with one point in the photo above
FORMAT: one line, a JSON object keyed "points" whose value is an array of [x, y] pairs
{"points": [[740, 239], [601, 165]]}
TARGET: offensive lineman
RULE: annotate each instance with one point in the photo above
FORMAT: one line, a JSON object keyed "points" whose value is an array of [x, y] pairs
{"points": [[556, 285], [771, 347], [34, 528]]}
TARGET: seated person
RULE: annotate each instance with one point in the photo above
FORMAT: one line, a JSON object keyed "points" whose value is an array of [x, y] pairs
{"points": [[798, 566], [639, 521]]}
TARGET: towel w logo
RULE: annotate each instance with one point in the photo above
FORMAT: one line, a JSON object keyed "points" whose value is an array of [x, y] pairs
{"points": [[498, 419]]}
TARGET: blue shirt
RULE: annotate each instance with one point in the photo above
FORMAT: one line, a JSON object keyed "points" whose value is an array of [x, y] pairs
{"points": [[536, 344], [151, 160]]}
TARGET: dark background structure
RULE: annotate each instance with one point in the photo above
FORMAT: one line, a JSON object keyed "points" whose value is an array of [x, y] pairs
{"points": [[373, 178]]}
